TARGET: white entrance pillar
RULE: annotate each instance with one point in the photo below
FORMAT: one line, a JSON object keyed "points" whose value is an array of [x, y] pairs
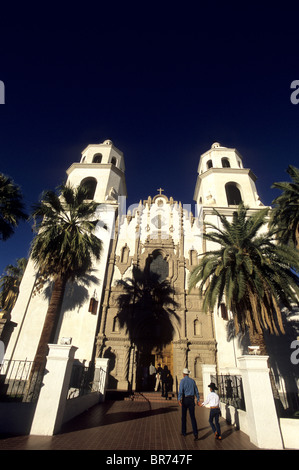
{"points": [[263, 425], [101, 376], [52, 398], [207, 371]]}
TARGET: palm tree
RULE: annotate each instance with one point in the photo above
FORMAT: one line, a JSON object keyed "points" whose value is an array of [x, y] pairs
{"points": [[64, 248], [9, 284], [11, 207], [285, 214], [249, 273]]}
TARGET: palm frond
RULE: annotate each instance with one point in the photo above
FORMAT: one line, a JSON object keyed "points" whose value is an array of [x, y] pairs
{"points": [[12, 209], [250, 272], [65, 242], [285, 215]]}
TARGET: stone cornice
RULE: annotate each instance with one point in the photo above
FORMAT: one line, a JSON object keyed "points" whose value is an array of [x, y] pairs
{"points": [[95, 166]]}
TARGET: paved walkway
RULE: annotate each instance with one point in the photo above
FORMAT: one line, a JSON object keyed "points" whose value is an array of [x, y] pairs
{"points": [[133, 425]]}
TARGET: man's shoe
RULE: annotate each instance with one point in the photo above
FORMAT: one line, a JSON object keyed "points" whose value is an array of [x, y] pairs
{"points": [[196, 438]]}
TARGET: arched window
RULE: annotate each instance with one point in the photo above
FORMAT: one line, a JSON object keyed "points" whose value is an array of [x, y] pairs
{"points": [[225, 163], [115, 325], [113, 161], [233, 194], [124, 257], [90, 184], [193, 257], [209, 164], [97, 158], [197, 328], [159, 266]]}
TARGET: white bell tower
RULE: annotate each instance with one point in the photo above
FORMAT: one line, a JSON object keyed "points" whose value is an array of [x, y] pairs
{"points": [[102, 171], [223, 181], [222, 184]]}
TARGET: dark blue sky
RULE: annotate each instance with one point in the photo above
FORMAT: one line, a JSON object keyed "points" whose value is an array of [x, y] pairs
{"points": [[162, 84]]}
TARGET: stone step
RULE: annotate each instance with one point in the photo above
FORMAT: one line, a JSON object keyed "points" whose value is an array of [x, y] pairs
{"points": [[151, 397]]}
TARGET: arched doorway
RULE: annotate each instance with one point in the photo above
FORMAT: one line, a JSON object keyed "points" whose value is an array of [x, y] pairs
{"points": [[156, 326], [164, 357], [159, 358]]}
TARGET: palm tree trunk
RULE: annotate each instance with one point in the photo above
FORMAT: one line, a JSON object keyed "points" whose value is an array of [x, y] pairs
{"points": [[51, 320], [257, 339], [47, 336]]}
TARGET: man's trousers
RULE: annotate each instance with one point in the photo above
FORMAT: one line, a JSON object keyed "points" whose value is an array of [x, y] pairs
{"points": [[188, 404]]}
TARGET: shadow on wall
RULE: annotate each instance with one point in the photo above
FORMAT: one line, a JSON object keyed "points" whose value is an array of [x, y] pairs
{"points": [[147, 310], [279, 351], [112, 381], [77, 292]]}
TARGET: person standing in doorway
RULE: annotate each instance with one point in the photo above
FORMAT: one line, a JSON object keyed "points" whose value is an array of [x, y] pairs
{"points": [[187, 391], [214, 402], [165, 381], [158, 377], [152, 375]]}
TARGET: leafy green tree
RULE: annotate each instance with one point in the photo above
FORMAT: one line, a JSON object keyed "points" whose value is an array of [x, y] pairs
{"points": [[249, 272], [285, 214], [64, 248], [9, 284], [11, 207]]}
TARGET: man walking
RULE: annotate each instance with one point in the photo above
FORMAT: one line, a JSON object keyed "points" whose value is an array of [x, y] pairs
{"points": [[187, 391]]}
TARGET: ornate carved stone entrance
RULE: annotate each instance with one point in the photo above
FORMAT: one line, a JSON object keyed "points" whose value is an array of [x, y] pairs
{"points": [[160, 322]]}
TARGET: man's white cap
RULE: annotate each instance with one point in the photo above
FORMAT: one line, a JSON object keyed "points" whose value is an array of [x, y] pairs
{"points": [[186, 371]]}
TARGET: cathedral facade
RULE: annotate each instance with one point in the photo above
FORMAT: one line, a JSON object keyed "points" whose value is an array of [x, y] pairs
{"points": [[135, 307]]}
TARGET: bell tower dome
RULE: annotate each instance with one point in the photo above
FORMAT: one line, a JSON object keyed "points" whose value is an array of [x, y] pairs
{"points": [[222, 180], [102, 171]]}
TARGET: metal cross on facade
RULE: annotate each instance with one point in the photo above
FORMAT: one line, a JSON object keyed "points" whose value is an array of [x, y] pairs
{"points": [[160, 190]]}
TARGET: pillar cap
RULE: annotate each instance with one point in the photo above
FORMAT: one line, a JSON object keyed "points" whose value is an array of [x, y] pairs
{"points": [[61, 351], [253, 362]]}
